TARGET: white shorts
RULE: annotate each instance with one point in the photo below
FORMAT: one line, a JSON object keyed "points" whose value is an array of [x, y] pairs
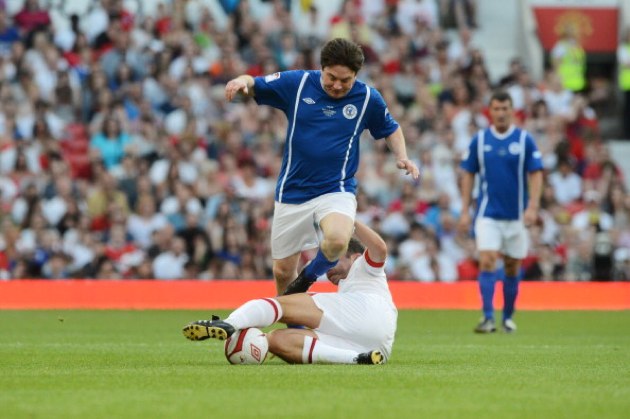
{"points": [[507, 237], [357, 321], [295, 227]]}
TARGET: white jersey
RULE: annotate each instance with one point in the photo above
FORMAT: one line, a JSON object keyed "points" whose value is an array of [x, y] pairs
{"points": [[361, 315], [366, 276]]}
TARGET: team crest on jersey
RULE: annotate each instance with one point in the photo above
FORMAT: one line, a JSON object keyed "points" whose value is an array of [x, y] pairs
{"points": [[350, 111], [271, 77], [514, 148]]}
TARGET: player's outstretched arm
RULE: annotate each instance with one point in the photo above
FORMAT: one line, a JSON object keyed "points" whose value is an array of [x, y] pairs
{"points": [[396, 143], [243, 84], [375, 245]]}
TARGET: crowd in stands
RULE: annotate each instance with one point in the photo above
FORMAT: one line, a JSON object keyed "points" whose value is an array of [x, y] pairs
{"points": [[120, 157]]}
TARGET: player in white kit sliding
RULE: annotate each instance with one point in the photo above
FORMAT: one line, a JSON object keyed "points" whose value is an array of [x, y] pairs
{"points": [[355, 325]]}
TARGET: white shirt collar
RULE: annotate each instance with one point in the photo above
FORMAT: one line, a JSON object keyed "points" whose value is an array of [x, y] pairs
{"points": [[503, 136]]}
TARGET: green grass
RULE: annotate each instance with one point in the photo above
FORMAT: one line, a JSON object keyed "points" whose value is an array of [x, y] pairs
{"points": [[118, 364]]}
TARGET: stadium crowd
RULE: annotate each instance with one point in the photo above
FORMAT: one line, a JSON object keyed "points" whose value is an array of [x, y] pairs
{"points": [[120, 157]]}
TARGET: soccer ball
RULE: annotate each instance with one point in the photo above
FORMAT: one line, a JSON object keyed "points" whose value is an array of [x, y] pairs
{"points": [[247, 346]]}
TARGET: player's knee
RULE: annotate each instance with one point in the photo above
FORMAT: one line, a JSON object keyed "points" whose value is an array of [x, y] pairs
{"points": [[273, 341], [512, 266], [487, 264], [511, 271], [282, 346], [275, 345], [283, 274], [334, 247], [486, 267]]}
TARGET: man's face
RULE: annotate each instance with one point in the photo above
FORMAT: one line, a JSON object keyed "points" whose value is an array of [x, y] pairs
{"points": [[501, 114], [338, 80]]}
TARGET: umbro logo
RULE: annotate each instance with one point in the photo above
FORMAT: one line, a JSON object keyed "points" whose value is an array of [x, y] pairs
{"points": [[308, 100]]}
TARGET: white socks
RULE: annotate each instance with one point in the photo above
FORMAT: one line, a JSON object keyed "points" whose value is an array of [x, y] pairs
{"points": [[256, 313], [317, 352]]}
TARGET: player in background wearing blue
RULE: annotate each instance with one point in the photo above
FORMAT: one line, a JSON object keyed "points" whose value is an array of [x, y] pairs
{"points": [[505, 157], [327, 111]]}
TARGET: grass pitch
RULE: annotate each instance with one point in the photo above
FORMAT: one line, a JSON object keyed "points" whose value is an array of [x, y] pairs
{"points": [[137, 364]]}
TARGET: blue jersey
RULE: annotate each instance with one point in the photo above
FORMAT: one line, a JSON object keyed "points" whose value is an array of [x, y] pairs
{"points": [[321, 153], [502, 162]]}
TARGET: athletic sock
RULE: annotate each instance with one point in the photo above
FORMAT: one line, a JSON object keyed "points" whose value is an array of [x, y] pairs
{"points": [[318, 266], [510, 292], [317, 352], [256, 313], [486, 288]]}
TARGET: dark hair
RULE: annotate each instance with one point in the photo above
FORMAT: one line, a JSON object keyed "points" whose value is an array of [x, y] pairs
{"points": [[355, 246], [565, 161], [341, 51], [501, 96]]}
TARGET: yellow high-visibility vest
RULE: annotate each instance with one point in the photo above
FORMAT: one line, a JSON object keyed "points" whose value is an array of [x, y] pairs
{"points": [[624, 73], [572, 68]]}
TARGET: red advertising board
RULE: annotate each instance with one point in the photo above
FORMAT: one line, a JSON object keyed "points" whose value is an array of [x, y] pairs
{"points": [[595, 22]]}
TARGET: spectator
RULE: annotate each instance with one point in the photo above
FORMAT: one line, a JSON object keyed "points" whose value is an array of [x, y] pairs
{"points": [[433, 265], [569, 60], [111, 143], [145, 221], [592, 215], [8, 35], [121, 52], [120, 251], [32, 17], [567, 184], [206, 163], [171, 263], [579, 257], [104, 198], [56, 267], [547, 265], [249, 185], [623, 58]]}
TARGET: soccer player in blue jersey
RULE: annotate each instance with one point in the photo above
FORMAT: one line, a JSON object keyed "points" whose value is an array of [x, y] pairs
{"points": [[327, 110], [507, 160]]}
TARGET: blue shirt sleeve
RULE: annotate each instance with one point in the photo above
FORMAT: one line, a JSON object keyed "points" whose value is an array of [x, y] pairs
{"points": [[278, 89], [533, 157], [380, 123], [470, 160]]}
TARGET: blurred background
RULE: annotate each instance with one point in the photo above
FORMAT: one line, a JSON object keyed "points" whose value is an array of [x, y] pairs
{"points": [[121, 159]]}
